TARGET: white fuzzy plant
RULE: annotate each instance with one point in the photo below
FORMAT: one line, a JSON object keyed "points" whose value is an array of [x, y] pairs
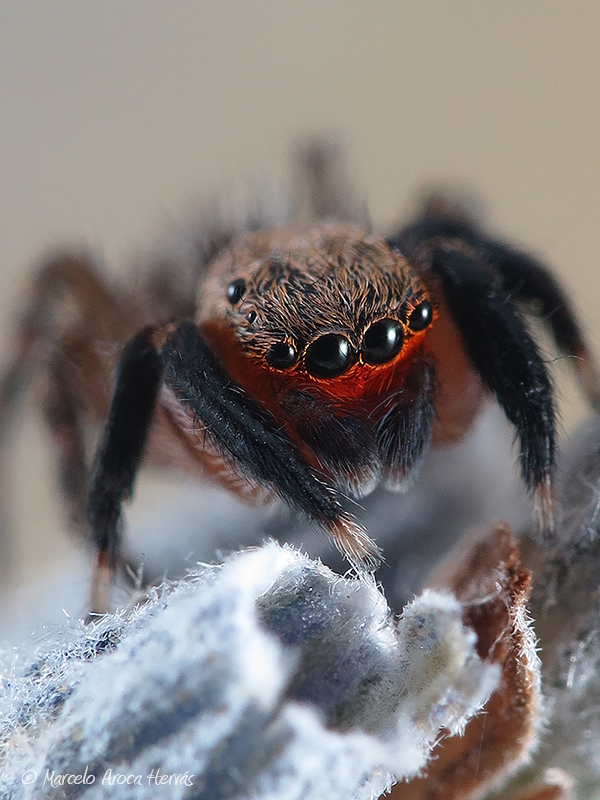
{"points": [[267, 677]]}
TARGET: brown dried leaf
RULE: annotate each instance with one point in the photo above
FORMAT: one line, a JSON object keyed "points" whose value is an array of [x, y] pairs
{"points": [[494, 591]]}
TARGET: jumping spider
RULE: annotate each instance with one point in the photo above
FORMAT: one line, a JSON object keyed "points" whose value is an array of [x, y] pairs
{"points": [[319, 359]]}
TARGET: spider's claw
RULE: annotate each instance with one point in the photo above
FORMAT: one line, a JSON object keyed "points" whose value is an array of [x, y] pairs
{"points": [[353, 541], [543, 510], [102, 575]]}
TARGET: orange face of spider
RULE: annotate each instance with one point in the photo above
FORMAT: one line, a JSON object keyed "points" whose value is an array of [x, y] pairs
{"points": [[334, 310], [323, 329]]}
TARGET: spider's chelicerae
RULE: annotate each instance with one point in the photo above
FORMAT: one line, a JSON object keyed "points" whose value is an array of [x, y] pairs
{"points": [[303, 360]]}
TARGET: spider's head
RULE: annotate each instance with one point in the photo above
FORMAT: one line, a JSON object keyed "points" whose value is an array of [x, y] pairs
{"points": [[332, 308]]}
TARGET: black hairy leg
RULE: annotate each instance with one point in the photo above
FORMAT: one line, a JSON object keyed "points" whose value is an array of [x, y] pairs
{"points": [[247, 437], [119, 455], [528, 280], [520, 274], [505, 355]]}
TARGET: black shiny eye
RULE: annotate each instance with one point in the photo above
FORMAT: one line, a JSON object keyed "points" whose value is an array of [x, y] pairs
{"points": [[236, 290], [329, 355], [382, 341], [251, 317], [280, 355], [421, 316]]}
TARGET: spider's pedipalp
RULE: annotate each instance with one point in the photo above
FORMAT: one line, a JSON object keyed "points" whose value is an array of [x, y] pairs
{"points": [[343, 444], [253, 443], [405, 428]]}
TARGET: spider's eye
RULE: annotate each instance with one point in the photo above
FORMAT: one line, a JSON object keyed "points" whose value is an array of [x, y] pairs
{"points": [[329, 355], [382, 341], [281, 355], [236, 290], [421, 316]]}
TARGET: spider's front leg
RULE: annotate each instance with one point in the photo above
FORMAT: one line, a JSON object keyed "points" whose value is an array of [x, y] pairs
{"points": [[247, 437], [485, 284], [508, 360]]}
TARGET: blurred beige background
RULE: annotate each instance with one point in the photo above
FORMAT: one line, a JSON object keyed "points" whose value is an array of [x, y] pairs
{"points": [[114, 116]]}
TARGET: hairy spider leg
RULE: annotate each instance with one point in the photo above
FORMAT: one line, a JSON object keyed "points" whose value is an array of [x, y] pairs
{"points": [[524, 278], [120, 452], [62, 413], [529, 281], [483, 280], [508, 360], [69, 310], [247, 436]]}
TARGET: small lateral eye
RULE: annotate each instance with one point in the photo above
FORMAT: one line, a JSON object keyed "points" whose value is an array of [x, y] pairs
{"points": [[421, 316], [281, 355], [236, 290], [382, 341], [329, 356]]}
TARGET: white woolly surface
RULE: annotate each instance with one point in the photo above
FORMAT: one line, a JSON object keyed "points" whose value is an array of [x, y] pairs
{"points": [[267, 677], [566, 607]]}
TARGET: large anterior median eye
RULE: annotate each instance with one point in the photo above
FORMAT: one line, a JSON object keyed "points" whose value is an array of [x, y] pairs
{"points": [[329, 355], [382, 341]]}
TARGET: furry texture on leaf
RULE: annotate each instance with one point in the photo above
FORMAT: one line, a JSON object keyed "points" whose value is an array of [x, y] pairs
{"points": [[566, 606], [267, 677]]}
